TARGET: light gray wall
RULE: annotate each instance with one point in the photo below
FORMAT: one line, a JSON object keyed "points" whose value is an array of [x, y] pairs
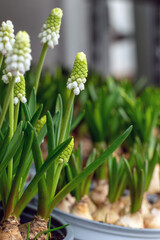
{"points": [[144, 14], [75, 34], [29, 15], [77, 31]]}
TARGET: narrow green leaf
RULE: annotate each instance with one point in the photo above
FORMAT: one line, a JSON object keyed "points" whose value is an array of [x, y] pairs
{"points": [[50, 131], [77, 120], [36, 115], [42, 133], [68, 173], [28, 231], [42, 186], [51, 146], [13, 197], [92, 157], [32, 102], [26, 111], [58, 109], [51, 230], [4, 145], [12, 148], [73, 165], [17, 156]]}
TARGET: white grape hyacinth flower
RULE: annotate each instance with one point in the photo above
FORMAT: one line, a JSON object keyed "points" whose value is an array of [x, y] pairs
{"points": [[7, 77], [50, 30], [79, 73], [7, 37], [18, 61]]}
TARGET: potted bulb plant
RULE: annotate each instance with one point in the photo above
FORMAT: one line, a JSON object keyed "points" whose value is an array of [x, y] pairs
{"points": [[21, 135]]}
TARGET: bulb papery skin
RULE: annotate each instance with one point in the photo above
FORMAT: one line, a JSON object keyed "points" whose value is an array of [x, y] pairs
{"points": [[18, 61], [51, 28], [7, 37], [79, 74]]}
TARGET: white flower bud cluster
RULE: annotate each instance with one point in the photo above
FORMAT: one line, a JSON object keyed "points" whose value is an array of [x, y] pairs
{"points": [[18, 61], [50, 29], [76, 84], [22, 99], [6, 37], [7, 76], [46, 35]]}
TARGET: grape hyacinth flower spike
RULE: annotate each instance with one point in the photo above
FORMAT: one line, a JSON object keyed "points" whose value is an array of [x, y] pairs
{"points": [[19, 91], [6, 37], [49, 36], [79, 74], [18, 61], [50, 30]]}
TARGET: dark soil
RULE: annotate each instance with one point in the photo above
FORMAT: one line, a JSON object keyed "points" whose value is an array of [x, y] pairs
{"points": [[56, 236]]}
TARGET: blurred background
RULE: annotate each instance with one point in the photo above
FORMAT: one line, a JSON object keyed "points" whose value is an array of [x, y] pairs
{"points": [[119, 37]]}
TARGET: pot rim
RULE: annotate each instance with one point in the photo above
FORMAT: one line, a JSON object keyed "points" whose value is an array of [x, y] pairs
{"points": [[108, 228]]}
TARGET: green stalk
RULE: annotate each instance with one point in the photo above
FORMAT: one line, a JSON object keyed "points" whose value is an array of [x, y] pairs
{"points": [[11, 125], [4, 188], [6, 102], [42, 187], [101, 172], [40, 65], [28, 230], [16, 113], [66, 117], [1, 59]]}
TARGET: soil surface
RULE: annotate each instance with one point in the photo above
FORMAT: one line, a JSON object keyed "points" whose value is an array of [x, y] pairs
{"points": [[56, 236]]}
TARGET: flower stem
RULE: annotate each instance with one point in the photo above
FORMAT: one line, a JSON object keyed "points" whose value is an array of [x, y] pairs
{"points": [[1, 59], [40, 65], [11, 124], [16, 113], [6, 102], [66, 117]]}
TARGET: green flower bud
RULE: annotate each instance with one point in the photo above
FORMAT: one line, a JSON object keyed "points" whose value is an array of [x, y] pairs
{"points": [[65, 155], [40, 123], [79, 74], [50, 30], [19, 91]]}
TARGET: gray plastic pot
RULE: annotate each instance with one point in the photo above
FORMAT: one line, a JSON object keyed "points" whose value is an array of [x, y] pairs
{"points": [[87, 229]]}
